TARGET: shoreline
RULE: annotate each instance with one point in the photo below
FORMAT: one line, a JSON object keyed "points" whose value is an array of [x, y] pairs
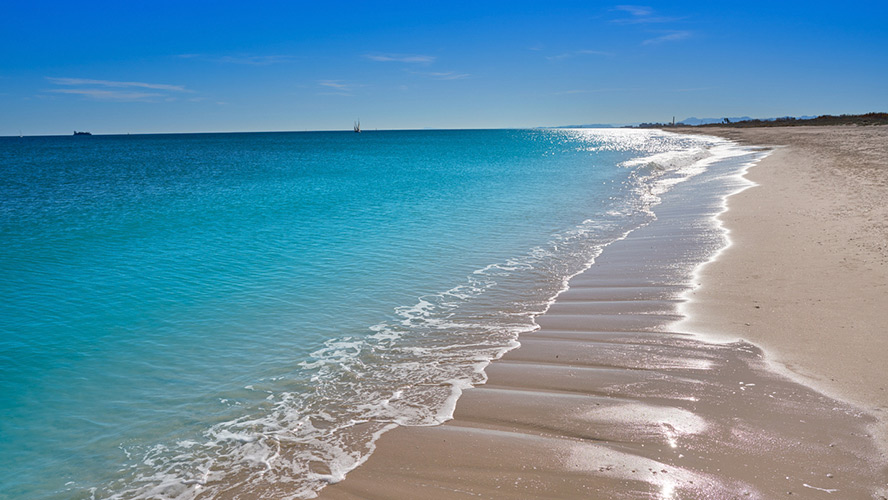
{"points": [[606, 399], [806, 274]]}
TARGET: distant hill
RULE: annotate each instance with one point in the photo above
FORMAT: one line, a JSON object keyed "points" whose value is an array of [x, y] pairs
{"points": [[788, 121]]}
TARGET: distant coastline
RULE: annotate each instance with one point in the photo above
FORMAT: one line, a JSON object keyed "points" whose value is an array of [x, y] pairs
{"points": [[787, 121], [874, 118]]}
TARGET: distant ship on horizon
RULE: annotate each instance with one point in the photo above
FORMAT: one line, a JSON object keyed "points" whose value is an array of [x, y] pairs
{"points": [[82, 133], [358, 127]]}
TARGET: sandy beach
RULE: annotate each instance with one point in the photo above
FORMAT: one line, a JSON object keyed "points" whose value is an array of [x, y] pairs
{"points": [[620, 394], [806, 276]]}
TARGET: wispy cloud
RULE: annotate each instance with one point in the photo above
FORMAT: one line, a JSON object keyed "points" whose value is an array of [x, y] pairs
{"points": [[337, 87], [118, 91], [591, 91], [693, 89], [669, 36], [418, 59], [336, 84], [111, 95], [635, 10], [444, 75], [639, 14], [576, 53], [245, 59], [593, 53], [110, 83], [642, 15], [401, 58]]}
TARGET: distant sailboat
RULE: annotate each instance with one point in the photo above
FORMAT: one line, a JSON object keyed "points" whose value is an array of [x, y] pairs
{"points": [[358, 127]]}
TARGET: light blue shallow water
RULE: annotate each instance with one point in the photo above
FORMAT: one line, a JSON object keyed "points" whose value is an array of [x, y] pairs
{"points": [[186, 313]]}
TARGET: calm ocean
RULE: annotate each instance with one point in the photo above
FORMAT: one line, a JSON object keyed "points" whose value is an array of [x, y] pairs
{"points": [[183, 314]]}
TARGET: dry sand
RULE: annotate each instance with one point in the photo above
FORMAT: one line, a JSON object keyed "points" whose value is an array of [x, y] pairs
{"points": [[609, 400]]}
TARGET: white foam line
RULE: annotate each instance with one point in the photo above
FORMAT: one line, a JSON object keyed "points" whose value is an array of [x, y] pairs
{"points": [[695, 168], [705, 162], [458, 386], [339, 475], [683, 325]]}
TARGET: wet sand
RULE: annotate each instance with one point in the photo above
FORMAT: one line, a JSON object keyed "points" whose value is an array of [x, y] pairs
{"points": [[609, 400]]}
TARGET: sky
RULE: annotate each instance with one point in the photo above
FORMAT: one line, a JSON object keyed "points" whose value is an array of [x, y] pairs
{"points": [[220, 66]]}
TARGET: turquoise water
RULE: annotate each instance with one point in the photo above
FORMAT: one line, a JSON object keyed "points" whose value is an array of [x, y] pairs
{"points": [[181, 314]]}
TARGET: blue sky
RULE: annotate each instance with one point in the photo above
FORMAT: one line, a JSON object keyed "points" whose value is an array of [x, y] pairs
{"points": [[118, 67]]}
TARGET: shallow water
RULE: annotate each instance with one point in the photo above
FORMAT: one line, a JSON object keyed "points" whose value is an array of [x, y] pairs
{"points": [[184, 313]]}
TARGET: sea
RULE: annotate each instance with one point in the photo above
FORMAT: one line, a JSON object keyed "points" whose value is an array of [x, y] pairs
{"points": [[189, 315]]}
